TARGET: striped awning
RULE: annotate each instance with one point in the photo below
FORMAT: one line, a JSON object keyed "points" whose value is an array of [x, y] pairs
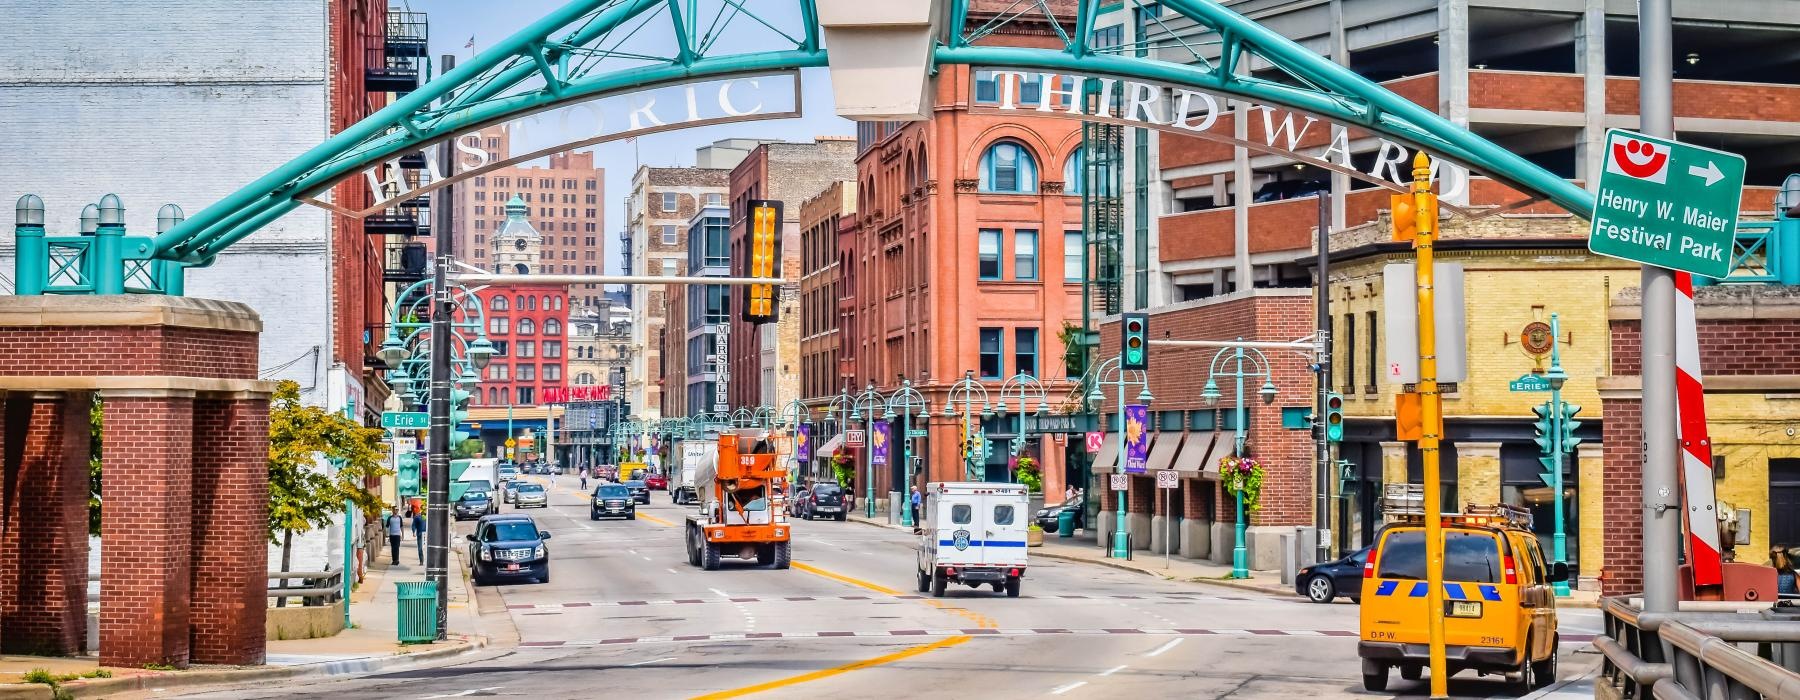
{"points": [[1162, 451], [1197, 455], [1108, 458]]}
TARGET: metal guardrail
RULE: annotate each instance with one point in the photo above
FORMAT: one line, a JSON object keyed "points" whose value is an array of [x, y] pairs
{"points": [[316, 587], [1699, 652]]}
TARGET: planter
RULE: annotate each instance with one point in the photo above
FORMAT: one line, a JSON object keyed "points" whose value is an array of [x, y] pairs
{"points": [[1034, 538]]}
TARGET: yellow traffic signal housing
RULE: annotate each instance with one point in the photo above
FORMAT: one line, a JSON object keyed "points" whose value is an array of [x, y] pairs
{"points": [[1406, 216], [762, 258]]}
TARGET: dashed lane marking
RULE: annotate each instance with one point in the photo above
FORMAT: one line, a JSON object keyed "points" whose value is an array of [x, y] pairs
{"points": [[796, 599], [652, 661], [1176, 641], [1059, 690], [971, 632]]}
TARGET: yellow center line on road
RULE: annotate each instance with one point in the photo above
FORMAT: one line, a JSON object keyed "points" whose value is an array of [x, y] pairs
{"points": [[859, 583], [655, 519], [837, 670]]}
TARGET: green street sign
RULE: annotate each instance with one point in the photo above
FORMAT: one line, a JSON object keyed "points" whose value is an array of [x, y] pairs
{"points": [[1529, 382], [1667, 204], [916, 433], [406, 420]]}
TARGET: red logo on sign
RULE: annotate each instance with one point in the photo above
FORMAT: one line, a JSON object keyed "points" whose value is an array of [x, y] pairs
{"points": [[1640, 159]]}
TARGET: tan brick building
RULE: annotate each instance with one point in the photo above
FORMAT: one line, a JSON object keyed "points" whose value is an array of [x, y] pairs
{"points": [[661, 203], [565, 202]]}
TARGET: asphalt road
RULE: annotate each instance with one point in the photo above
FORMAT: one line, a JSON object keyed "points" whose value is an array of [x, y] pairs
{"points": [[626, 616]]}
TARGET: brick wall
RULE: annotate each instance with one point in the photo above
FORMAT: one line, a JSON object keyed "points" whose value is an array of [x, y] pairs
{"points": [[133, 350], [230, 521], [44, 608], [1621, 500], [146, 587]]}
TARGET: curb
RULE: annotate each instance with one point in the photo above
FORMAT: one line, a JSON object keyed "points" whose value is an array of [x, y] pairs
{"points": [[185, 679]]}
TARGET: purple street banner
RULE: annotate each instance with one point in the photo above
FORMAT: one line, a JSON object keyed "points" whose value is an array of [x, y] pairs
{"points": [[1137, 438], [803, 444], [878, 439]]}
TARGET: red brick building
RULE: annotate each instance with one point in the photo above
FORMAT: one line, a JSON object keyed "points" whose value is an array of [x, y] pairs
{"points": [[358, 35]]}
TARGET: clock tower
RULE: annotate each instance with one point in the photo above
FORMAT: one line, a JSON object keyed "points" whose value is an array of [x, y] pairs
{"points": [[516, 244]]}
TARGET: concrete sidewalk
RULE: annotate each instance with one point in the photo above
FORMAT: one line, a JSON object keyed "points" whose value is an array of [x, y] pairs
{"points": [[370, 644]]}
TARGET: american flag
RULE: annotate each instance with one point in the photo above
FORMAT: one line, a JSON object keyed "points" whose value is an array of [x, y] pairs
{"points": [[471, 43]]}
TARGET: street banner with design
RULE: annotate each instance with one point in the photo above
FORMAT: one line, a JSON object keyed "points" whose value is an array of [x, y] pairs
{"points": [[803, 444], [1137, 438], [878, 437]]}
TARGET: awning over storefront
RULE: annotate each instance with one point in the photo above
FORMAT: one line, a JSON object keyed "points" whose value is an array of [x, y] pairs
{"points": [[830, 447], [1197, 458], [1162, 451], [1108, 459]]}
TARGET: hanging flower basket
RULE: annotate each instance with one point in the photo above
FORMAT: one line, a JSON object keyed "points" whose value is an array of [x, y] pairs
{"points": [[1029, 474], [1242, 475], [843, 466]]}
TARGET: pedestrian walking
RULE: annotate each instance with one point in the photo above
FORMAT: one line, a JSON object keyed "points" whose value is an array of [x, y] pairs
{"points": [[1069, 493], [395, 526], [917, 502], [1786, 582], [418, 528]]}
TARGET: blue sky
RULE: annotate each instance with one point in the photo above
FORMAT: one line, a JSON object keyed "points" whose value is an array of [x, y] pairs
{"points": [[453, 22]]}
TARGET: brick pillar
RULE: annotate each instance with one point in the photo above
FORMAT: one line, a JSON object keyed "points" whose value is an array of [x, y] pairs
{"points": [[1477, 474], [47, 515], [230, 520], [145, 583], [1621, 497]]}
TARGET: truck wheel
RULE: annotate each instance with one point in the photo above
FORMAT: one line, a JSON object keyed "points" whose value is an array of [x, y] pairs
{"points": [[693, 550], [1012, 587], [1375, 676], [709, 557], [784, 554], [1543, 673], [765, 554], [924, 581], [937, 583]]}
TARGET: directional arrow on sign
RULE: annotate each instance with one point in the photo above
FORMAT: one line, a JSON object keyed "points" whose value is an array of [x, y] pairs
{"points": [[1710, 173]]}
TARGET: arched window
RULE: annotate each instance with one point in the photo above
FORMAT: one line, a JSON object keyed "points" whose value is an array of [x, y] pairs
{"points": [[499, 303], [525, 327], [522, 269], [585, 378], [1075, 172], [1008, 167], [552, 327], [530, 303], [911, 175], [558, 301], [924, 173], [493, 396], [519, 302]]}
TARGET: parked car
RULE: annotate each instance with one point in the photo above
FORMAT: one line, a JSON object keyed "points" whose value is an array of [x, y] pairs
{"points": [[1342, 577], [825, 500], [1046, 517], [475, 504], [527, 495], [639, 491], [796, 503], [656, 482], [612, 500], [1289, 189], [508, 546]]}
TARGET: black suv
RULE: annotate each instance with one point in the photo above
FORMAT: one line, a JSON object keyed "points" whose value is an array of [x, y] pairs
{"points": [[639, 490], [508, 546], [613, 500], [824, 501]]}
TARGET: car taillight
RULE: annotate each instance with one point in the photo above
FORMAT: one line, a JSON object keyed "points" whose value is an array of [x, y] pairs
{"points": [[1512, 574], [950, 571], [1012, 572], [1369, 566]]}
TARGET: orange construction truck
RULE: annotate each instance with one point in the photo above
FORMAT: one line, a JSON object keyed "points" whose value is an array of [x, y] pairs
{"points": [[741, 512]]}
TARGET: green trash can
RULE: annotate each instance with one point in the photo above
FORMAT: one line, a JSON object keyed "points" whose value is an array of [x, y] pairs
{"points": [[418, 611], [1065, 523]]}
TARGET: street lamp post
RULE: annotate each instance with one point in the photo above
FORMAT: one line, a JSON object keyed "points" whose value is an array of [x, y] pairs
{"points": [[793, 415], [1237, 356], [967, 391], [1121, 539], [865, 405], [1557, 377], [1023, 387], [838, 414], [907, 400]]}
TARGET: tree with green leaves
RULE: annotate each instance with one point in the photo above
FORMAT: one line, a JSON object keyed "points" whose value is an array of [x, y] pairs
{"points": [[471, 447], [318, 461]]}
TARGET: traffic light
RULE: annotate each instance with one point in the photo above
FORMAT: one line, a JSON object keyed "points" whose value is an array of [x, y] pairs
{"points": [[406, 473], [1569, 424], [1134, 341], [459, 412], [762, 258], [1405, 214], [1334, 417], [1545, 438]]}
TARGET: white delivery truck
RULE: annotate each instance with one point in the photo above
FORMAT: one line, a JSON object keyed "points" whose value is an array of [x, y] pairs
{"points": [[973, 533], [693, 454]]}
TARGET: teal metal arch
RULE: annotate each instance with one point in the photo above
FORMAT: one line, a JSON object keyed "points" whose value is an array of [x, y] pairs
{"points": [[589, 49]]}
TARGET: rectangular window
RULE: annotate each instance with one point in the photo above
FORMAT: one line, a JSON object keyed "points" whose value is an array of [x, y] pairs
{"points": [[990, 353], [481, 196], [1374, 365], [481, 224], [552, 348], [668, 201], [527, 396], [497, 372], [714, 199], [527, 348], [593, 184], [591, 213], [1031, 90], [1025, 350], [1349, 353], [989, 250], [497, 326], [1074, 256], [552, 373], [668, 235], [1025, 254], [527, 373], [987, 87], [668, 267]]}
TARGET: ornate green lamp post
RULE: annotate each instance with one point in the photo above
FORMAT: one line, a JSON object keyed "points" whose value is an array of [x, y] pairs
{"points": [[1023, 387], [907, 400], [794, 415], [1119, 379], [866, 403], [1235, 358], [966, 392]]}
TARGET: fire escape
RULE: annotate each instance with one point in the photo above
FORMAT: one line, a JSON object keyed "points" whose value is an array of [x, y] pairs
{"points": [[398, 62]]}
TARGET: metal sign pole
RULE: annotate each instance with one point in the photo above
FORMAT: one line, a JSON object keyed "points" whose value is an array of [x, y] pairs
{"points": [[437, 500], [1662, 534]]}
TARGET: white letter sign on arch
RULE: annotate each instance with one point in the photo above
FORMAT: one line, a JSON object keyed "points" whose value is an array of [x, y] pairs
{"points": [[774, 95], [1195, 113]]}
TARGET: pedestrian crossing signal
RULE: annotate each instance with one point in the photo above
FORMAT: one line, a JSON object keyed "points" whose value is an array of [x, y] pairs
{"points": [[762, 257]]}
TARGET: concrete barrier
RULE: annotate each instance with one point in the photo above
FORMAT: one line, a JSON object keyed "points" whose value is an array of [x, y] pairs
{"points": [[305, 622]]}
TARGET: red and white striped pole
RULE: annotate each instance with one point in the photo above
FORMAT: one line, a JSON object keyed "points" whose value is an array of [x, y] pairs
{"points": [[1701, 522]]}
